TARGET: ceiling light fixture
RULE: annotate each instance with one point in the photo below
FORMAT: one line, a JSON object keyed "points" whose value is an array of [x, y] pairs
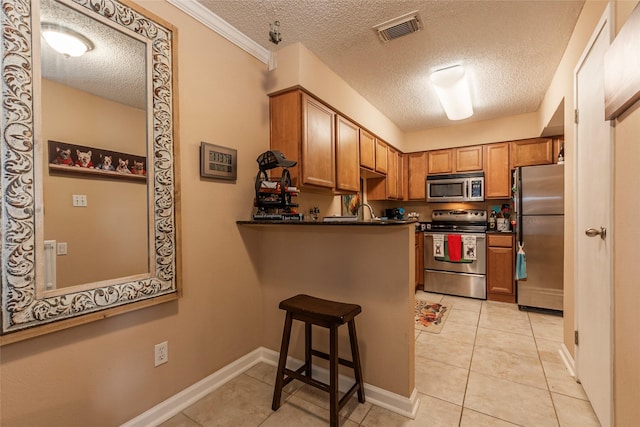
{"points": [[452, 88], [66, 41]]}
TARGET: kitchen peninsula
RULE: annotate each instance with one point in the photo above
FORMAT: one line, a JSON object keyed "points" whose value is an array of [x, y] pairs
{"points": [[366, 263]]}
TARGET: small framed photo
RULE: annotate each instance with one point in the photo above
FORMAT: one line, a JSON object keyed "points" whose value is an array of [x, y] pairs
{"points": [[218, 162]]}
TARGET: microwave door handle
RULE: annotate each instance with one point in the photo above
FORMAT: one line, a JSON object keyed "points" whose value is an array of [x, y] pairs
{"points": [[466, 190]]}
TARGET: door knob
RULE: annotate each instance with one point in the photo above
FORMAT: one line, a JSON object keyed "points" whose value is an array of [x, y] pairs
{"points": [[593, 232]]}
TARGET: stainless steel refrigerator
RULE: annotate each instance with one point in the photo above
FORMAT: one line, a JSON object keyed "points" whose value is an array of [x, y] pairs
{"points": [[539, 205]]}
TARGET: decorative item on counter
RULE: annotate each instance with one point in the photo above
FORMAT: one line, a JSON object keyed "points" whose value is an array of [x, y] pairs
{"points": [[273, 196], [492, 221], [561, 155], [314, 212]]}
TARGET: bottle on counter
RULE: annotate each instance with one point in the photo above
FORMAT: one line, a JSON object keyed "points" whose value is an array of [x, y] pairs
{"points": [[492, 221]]}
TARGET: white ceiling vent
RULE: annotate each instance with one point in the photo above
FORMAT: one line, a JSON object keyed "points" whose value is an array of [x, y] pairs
{"points": [[398, 27]]}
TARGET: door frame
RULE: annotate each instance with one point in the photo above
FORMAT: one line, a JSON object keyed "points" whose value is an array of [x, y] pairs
{"points": [[608, 17]]}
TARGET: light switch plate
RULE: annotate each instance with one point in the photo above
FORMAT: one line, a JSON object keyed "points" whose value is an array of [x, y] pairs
{"points": [[61, 248], [79, 200]]}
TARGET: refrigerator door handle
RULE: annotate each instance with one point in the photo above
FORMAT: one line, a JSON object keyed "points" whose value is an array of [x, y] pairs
{"points": [[593, 232]]}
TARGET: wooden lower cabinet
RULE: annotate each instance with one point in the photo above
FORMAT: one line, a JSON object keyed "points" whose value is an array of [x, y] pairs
{"points": [[419, 260], [501, 267]]}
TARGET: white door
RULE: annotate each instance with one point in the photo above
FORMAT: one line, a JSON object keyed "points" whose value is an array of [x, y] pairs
{"points": [[594, 204]]}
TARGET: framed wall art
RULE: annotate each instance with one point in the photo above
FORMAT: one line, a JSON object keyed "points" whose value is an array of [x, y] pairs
{"points": [[81, 159], [218, 162]]}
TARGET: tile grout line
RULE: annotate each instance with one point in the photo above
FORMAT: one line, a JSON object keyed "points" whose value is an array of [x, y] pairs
{"points": [[546, 380]]}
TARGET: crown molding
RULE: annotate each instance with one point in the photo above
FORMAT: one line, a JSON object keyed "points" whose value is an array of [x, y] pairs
{"points": [[222, 27]]}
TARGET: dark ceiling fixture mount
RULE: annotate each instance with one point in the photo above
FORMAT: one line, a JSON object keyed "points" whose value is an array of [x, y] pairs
{"points": [[274, 34]]}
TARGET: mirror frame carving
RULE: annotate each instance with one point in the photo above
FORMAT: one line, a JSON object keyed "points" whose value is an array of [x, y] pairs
{"points": [[26, 311]]}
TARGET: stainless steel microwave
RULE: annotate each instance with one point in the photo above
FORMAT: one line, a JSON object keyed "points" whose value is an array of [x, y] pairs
{"points": [[460, 187]]}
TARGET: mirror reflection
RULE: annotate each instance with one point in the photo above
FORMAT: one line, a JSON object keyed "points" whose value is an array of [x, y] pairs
{"points": [[95, 133]]}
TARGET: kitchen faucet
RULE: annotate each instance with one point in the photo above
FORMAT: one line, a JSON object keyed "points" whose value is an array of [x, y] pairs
{"points": [[373, 216]]}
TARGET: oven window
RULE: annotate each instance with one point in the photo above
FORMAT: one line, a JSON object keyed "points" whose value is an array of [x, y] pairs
{"points": [[446, 189]]}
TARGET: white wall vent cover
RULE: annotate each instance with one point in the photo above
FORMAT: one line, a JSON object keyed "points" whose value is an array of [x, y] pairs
{"points": [[398, 27]]}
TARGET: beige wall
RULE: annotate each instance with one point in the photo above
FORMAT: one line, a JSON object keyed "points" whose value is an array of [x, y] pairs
{"points": [[102, 373], [100, 245], [299, 66], [343, 263], [626, 235]]}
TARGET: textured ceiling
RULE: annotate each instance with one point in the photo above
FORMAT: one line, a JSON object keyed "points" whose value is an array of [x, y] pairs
{"points": [[510, 49], [114, 69]]}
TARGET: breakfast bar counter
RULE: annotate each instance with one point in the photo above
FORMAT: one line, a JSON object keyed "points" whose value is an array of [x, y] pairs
{"points": [[369, 264]]}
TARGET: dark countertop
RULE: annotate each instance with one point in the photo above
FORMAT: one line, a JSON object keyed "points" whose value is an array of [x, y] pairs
{"points": [[340, 223]]}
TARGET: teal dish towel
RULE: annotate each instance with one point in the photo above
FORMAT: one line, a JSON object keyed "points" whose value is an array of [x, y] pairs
{"points": [[521, 263]]}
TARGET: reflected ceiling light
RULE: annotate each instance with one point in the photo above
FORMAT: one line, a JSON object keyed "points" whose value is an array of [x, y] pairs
{"points": [[452, 88], [66, 41]]}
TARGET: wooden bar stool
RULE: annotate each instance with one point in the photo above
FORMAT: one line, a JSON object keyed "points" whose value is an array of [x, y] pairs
{"points": [[327, 314]]}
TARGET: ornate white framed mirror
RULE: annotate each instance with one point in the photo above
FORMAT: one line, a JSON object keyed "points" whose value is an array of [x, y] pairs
{"points": [[88, 204]]}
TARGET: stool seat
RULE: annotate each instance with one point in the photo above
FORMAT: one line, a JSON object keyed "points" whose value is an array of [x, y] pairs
{"points": [[328, 314], [320, 311]]}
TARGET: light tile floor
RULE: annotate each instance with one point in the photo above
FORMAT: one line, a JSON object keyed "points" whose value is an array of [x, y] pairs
{"points": [[491, 365]]}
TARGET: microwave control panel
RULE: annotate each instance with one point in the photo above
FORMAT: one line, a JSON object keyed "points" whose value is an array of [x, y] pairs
{"points": [[476, 188]]}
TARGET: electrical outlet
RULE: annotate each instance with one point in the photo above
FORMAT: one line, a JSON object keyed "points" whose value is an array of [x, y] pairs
{"points": [[79, 200], [161, 352]]}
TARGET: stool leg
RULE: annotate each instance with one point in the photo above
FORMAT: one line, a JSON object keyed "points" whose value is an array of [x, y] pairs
{"points": [[333, 376], [355, 356], [284, 349], [308, 341]]}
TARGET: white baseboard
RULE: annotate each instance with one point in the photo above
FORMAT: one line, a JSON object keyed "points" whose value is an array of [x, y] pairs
{"points": [[568, 361], [406, 406], [187, 397]]}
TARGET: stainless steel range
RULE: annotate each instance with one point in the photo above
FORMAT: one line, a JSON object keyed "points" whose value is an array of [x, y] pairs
{"points": [[455, 253]]}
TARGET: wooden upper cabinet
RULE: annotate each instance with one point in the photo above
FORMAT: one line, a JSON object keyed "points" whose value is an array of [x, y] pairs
{"points": [[367, 150], [497, 174], [318, 143], [417, 174], [469, 159], [392, 173], [347, 163], [303, 129], [530, 152], [381, 157], [440, 161]]}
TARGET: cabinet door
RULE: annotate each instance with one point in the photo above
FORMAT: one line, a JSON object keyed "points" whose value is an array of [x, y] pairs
{"points": [[367, 150], [400, 174], [318, 143], [500, 267], [440, 161], [417, 175], [500, 270], [530, 152], [285, 130], [419, 260], [347, 163], [392, 173], [381, 157], [469, 159], [497, 175]]}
